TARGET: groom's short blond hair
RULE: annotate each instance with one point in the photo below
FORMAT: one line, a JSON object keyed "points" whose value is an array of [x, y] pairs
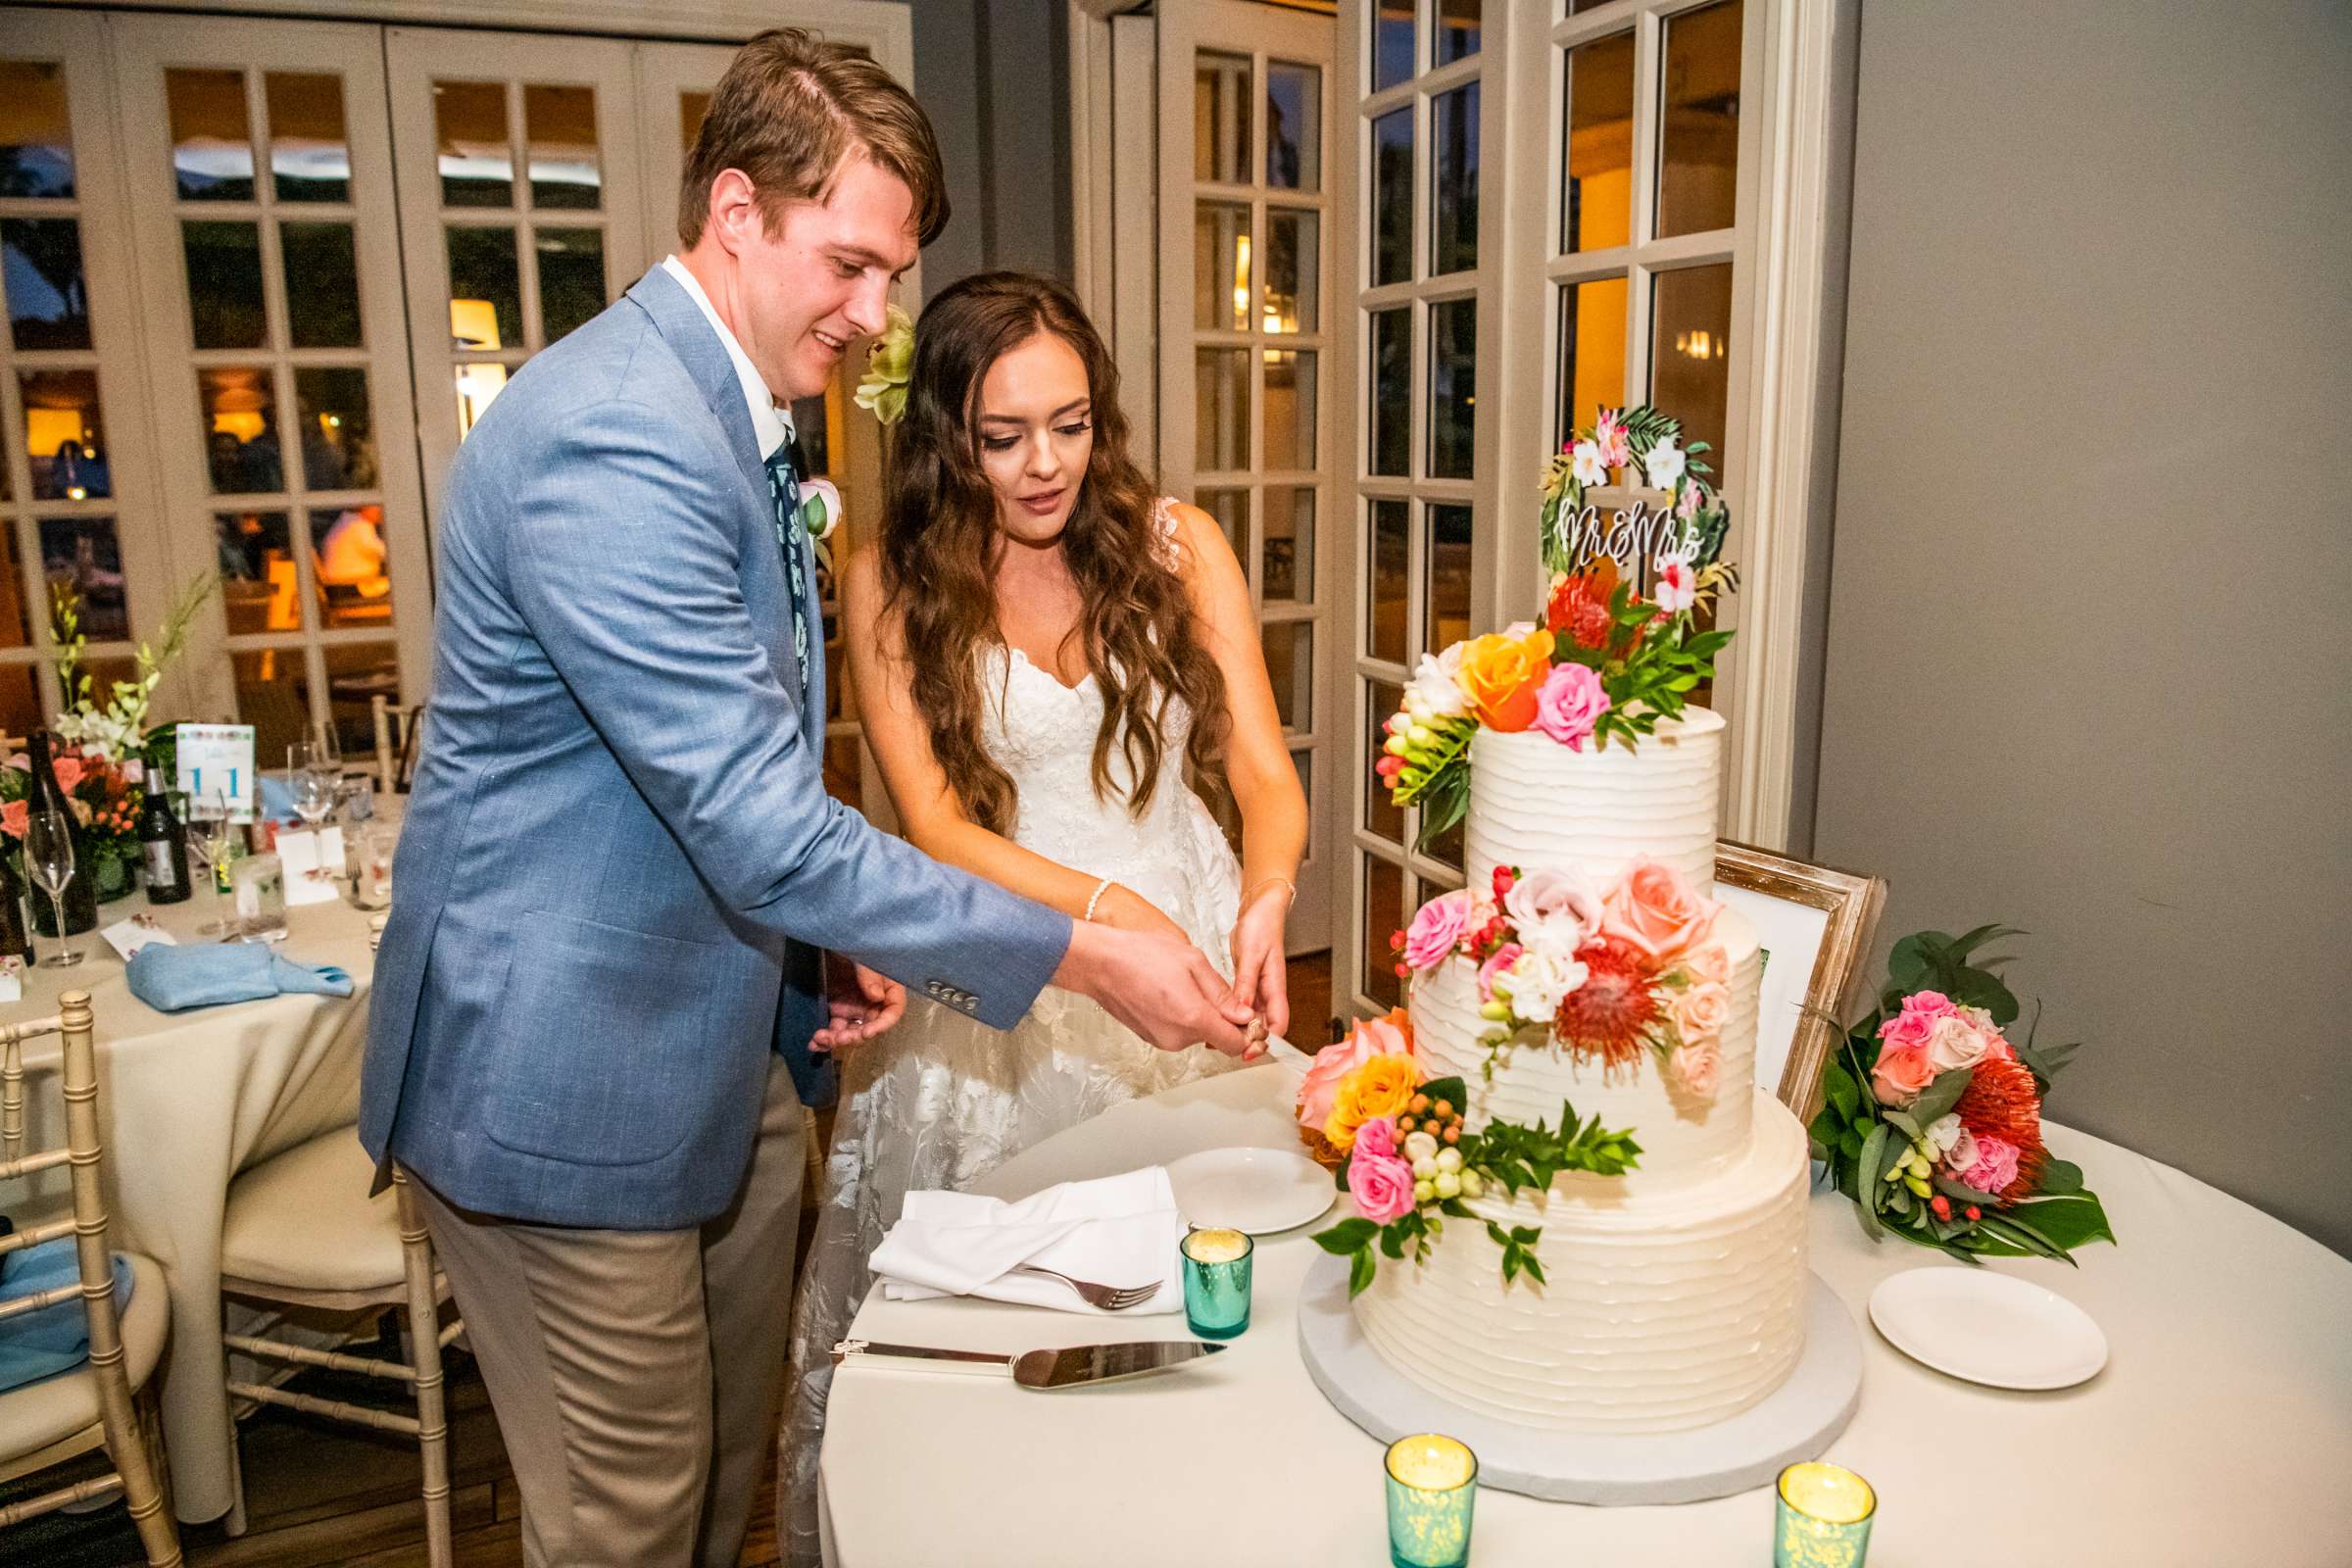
{"points": [[786, 113]]}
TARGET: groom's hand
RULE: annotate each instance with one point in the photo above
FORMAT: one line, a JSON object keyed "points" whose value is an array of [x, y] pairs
{"points": [[858, 1004], [1158, 986]]}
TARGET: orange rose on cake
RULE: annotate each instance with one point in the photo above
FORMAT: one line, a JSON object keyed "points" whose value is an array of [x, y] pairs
{"points": [[1501, 674]]}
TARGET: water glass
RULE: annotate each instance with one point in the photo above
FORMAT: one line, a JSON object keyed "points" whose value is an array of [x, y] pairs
{"points": [[1216, 1282], [1823, 1517], [1433, 1485], [49, 862]]}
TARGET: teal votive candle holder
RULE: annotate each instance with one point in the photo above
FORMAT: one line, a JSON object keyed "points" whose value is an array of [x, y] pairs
{"points": [[1216, 1282], [1823, 1518], [1433, 1484]]}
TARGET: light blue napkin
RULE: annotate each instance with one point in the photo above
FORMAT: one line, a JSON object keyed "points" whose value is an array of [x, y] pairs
{"points": [[277, 798], [56, 1338], [173, 979]]}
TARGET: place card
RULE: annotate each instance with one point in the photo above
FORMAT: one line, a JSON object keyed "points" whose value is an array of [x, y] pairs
{"points": [[314, 865], [127, 937], [12, 988]]}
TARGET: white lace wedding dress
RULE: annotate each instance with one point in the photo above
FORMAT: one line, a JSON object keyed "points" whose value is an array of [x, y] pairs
{"points": [[942, 1100]]}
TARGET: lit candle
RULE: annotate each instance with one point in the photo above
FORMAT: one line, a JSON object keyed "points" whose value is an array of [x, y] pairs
{"points": [[1823, 1518], [1216, 1282], [1432, 1487]]}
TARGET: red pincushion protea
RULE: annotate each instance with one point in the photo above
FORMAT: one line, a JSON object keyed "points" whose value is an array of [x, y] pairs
{"points": [[2000, 1102], [1611, 1014]]}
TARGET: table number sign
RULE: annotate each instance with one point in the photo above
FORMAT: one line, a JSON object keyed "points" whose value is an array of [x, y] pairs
{"points": [[218, 759]]}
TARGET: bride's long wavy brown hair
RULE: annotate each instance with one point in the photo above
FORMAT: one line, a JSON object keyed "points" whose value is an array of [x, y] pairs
{"points": [[940, 542]]}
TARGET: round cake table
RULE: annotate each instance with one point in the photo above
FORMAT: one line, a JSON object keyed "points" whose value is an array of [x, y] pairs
{"points": [[2220, 1432]]}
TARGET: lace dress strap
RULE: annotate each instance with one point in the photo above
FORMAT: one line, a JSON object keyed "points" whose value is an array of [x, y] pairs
{"points": [[1163, 531]]}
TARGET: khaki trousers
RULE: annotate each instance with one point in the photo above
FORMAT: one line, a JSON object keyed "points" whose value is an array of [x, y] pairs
{"points": [[635, 1374]]}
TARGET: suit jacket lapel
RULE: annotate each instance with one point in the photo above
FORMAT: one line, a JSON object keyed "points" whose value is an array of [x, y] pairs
{"points": [[689, 335]]}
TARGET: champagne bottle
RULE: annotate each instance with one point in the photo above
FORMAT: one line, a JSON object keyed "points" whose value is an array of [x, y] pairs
{"points": [[81, 896], [164, 845]]}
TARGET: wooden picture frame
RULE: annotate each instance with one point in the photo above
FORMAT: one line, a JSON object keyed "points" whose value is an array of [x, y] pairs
{"points": [[1835, 914]]}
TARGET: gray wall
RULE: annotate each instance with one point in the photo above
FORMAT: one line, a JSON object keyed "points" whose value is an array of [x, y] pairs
{"points": [[2092, 583], [995, 77]]}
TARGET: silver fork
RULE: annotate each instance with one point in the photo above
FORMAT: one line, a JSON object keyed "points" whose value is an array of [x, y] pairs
{"points": [[1110, 1298]]}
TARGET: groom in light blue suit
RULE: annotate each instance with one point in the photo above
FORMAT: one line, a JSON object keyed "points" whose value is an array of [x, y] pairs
{"points": [[604, 990]]}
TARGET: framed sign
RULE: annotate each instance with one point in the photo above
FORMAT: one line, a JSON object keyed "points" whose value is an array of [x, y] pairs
{"points": [[1815, 926]]}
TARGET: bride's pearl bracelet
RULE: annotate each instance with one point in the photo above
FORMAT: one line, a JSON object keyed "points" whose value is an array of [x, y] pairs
{"points": [[1101, 888]]}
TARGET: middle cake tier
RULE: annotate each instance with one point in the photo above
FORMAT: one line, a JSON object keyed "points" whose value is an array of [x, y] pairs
{"points": [[1685, 1137]]}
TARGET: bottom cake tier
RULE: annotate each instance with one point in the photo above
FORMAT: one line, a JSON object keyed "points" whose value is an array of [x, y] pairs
{"points": [[1659, 1313]]}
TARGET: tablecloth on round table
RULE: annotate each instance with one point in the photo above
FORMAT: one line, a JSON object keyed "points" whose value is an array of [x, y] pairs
{"points": [[2220, 1433], [188, 1100]]}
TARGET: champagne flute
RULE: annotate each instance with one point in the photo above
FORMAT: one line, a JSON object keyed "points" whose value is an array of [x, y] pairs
{"points": [[49, 862], [209, 828]]}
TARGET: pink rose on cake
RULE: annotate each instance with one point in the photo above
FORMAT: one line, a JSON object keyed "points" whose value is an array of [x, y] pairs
{"points": [[1380, 1182], [1436, 929], [1699, 1010], [1569, 703], [1552, 909], [1708, 960], [1656, 912], [1697, 1065], [1390, 1036]]}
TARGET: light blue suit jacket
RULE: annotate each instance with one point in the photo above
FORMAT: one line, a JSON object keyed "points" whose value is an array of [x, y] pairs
{"points": [[620, 860]]}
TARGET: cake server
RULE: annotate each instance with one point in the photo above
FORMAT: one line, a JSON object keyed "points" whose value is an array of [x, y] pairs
{"points": [[1072, 1366]]}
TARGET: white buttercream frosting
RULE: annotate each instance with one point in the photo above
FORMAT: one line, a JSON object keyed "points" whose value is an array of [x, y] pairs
{"points": [[1660, 1311], [1534, 802]]}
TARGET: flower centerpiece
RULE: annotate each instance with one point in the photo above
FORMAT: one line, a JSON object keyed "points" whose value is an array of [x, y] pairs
{"points": [[117, 727], [1607, 663], [1401, 1152], [1609, 977], [1931, 1116], [105, 793]]}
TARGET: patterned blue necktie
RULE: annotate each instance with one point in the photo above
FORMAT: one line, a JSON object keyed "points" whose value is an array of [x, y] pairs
{"points": [[784, 492]]}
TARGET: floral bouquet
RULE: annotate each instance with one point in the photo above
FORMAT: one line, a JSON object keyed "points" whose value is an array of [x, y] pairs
{"points": [[1404, 1154], [117, 727], [1931, 1116], [1609, 977], [105, 795], [1606, 664]]}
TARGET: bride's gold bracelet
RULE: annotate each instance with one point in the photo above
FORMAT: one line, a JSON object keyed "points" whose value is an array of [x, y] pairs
{"points": [[1290, 890]]}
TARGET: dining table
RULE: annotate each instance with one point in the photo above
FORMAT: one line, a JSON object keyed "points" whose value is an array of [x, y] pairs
{"points": [[2218, 1430], [186, 1101]]}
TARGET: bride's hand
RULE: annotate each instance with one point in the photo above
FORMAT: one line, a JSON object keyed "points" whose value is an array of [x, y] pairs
{"points": [[1123, 907], [1257, 961]]}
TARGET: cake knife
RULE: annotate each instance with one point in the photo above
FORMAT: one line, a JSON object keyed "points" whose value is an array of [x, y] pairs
{"points": [[1072, 1366]]}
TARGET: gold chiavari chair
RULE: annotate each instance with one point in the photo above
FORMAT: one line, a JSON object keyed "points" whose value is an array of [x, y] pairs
{"points": [[302, 1231], [107, 1403]]}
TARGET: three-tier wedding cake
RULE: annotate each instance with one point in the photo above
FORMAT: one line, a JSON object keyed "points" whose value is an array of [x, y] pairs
{"points": [[1672, 1294], [1575, 1213]]}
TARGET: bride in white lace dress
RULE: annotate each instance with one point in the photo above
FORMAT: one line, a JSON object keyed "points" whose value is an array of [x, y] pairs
{"points": [[1081, 647]]}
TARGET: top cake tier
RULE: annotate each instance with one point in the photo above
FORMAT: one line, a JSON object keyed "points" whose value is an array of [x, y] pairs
{"points": [[1536, 804]]}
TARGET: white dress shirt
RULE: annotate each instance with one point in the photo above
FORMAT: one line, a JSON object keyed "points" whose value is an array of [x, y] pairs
{"points": [[770, 427]]}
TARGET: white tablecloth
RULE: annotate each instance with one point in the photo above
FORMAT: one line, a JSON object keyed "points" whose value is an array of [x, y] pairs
{"points": [[188, 1100], [2220, 1433]]}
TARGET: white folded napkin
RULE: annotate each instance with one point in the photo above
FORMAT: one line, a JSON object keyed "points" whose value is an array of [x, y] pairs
{"points": [[1118, 1231]]}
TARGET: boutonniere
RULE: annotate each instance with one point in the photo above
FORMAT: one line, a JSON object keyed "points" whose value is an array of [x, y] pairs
{"points": [[820, 515]]}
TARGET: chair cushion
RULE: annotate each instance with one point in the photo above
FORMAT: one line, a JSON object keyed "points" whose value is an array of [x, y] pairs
{"points": [[53, 1409], [304, 1220]]}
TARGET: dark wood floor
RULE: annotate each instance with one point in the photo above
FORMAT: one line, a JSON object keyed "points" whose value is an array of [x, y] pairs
{"points": [[318, 1493]]}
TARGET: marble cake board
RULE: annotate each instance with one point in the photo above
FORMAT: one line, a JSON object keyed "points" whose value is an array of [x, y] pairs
{"points": [[1796, 1422]]}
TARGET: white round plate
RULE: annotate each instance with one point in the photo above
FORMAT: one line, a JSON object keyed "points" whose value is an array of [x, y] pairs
{"points": [[1988, 1328], [1261, 1191]]}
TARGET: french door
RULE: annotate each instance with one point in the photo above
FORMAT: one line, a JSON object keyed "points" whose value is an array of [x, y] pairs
{"points": [[1245, 345], [276, 359]]}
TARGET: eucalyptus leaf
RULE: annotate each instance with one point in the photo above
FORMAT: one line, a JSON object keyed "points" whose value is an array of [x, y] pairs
{"points": [[1940, 1097]]}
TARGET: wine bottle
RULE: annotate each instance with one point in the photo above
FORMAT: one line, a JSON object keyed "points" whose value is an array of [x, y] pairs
{"points": [[14, 942], [164, 844], [81, 896]]}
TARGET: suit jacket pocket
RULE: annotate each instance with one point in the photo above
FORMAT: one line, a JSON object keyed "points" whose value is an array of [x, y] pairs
{"points": [[611, 1045]]}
